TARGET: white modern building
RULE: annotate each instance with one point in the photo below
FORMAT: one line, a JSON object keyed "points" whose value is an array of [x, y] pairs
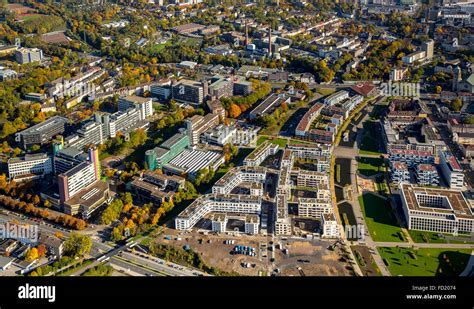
{"points": [[451, 170], [336, 98], [143, 105], [315, 207], [259, 154], [330, 228], [436, 210], [30, 166], [238, 175], [203, 205]]}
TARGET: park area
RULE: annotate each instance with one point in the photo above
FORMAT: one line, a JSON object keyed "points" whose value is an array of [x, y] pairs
{"points": [[371, 139], [380, 219], [425, 261], [370, 166]]}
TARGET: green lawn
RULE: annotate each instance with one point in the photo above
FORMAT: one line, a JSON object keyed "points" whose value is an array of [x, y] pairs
{"points": [[370, 166], [325, 91], [370, 143], [432, 237], [159, 47], [425, 261], [274, 140], [380, 219]]}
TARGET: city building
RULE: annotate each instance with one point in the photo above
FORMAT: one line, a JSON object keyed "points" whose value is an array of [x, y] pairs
{"points": [[30, 166], [451, 171], [25, 55], [436, 210], [282, 221], [143, 105], [236, 176], [399, 172], [336, 97], [427, 175], [259, 154], [42, 132], [219, 221], [330, 228], [197, 125], [305, 122], [205, 204], [315, 207]]}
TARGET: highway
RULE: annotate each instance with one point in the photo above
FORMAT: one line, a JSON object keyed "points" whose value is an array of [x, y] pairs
{"points": [[102, 251]]}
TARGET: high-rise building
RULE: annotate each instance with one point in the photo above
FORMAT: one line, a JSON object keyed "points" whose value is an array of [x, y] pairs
{"points": [[28, 55], [197, 125], [189, 91], [428, 48], [143, 105]]}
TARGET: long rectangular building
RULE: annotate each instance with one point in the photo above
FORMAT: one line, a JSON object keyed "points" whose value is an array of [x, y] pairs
{"points": [[42, 132]]}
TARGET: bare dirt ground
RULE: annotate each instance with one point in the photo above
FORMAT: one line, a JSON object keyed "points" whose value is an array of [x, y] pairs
{"points": [[215, 253], [309, 258], [365, 184]]}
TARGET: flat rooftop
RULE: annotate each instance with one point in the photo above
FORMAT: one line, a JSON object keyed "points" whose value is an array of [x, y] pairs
{"points": [[457, 202]]}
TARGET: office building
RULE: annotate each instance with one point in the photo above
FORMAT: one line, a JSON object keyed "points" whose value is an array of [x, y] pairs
{"points": [[436, 210], [42, 132], [143, 105], [189, 91]]}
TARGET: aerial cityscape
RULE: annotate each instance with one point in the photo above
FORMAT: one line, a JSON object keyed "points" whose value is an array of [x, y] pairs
{"points": [[218, 138]]}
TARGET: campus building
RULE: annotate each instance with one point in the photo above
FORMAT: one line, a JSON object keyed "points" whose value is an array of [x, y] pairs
{"points": [[42, 132], [427, 175], [159, 156], [197, 125], [25, 55], [30, 166], [143, 105], [189, 91]]}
